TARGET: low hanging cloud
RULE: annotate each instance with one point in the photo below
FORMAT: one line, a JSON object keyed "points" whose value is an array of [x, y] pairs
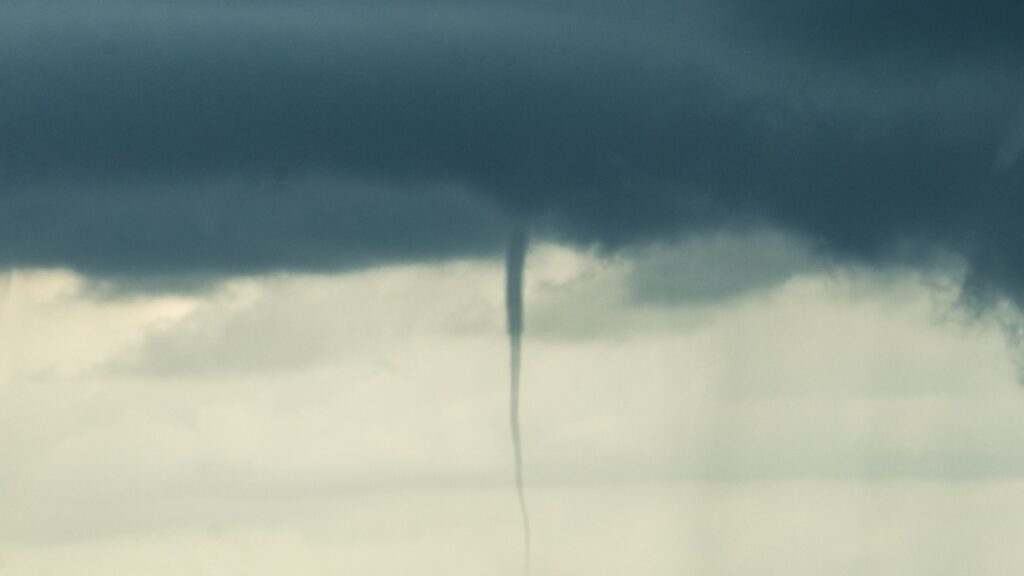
{"points": [[159, 140]]}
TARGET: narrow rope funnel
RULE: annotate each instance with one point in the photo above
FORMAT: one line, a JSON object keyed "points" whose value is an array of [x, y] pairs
{"points": [[515, 259]]}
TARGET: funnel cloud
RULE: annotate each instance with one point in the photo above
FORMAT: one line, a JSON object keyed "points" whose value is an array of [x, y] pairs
{"points": [[514, 263]]}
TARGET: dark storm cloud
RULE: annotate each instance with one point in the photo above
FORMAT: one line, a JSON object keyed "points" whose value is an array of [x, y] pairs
{"points": [[935, 30], [151, 233], [158, 137]]}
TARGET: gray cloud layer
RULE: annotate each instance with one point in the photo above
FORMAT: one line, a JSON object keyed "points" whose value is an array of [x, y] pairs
{"points": [[155, 138]]}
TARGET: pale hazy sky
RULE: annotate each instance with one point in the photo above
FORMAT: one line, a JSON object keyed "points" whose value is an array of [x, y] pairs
{"points": [[833, 422]]}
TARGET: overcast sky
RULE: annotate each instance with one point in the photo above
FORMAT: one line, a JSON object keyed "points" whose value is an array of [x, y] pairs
{"points": [[252, 314]]}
